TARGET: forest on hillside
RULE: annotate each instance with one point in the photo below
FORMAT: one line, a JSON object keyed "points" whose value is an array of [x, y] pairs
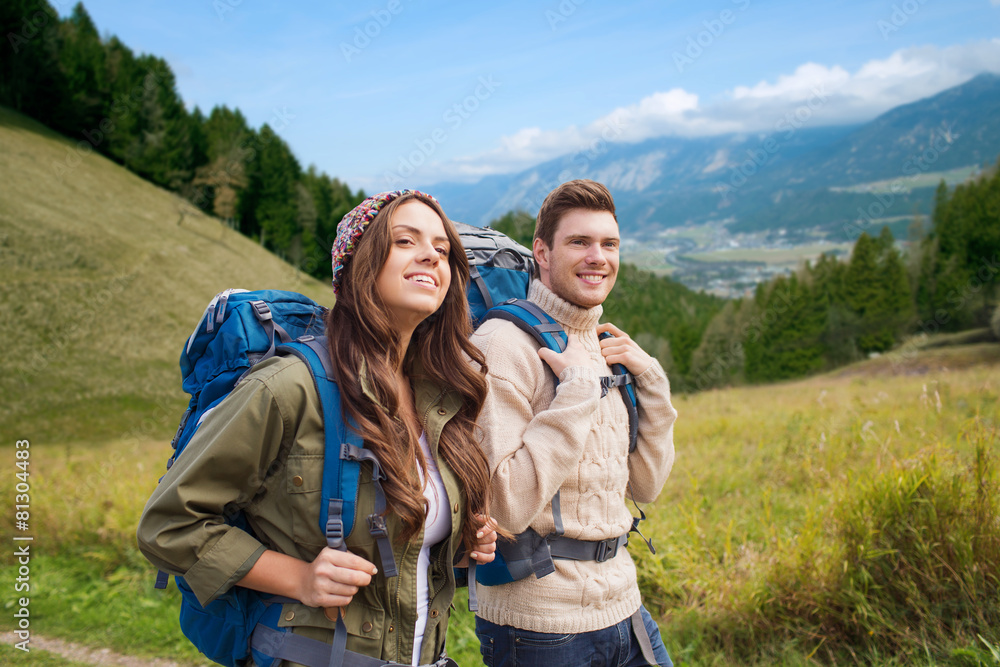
{"points": [[126, 107], [107, 99], [833, 312]]}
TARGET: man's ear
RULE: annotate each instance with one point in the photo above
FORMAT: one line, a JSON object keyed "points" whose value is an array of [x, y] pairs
{"points": [[541, 253]]}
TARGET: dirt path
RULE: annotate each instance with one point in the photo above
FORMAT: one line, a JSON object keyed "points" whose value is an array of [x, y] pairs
{"points": [[90, 656]]}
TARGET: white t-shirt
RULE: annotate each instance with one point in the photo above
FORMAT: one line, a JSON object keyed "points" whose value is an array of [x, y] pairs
{"points": [[436, 528]]}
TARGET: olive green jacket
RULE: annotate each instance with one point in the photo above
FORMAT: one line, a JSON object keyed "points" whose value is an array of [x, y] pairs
{"points": [[261, 450]]}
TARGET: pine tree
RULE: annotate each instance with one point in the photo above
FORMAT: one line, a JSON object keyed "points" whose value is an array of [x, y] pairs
{"points": [[222, 177], [161, 149], [896, 308], [840, 332], [754, 344], [519, 225], [958, 278], [719, 358], [982, 246], [82, 61], [275, 179], [125, 95], [305, 222], [31, 80], [789, 342], [864, 294]]}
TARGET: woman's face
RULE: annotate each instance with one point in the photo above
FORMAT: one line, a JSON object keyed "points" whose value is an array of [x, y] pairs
{"points": [[416, 275]]}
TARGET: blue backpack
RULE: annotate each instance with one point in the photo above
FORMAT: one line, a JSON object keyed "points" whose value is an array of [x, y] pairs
{"points": [[238, 330]]}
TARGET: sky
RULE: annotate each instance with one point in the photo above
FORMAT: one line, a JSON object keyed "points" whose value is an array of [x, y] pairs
{"points": [[413, 92]]}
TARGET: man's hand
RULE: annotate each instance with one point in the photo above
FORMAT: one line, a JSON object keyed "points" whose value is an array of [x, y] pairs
{"points": [[573, 355], [623, 350]]}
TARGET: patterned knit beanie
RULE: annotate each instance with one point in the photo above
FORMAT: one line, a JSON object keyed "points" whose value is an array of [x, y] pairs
{"points": [[353, 225]]}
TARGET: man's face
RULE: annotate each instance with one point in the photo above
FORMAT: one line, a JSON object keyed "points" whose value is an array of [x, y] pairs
{"points": [[582, 264]]}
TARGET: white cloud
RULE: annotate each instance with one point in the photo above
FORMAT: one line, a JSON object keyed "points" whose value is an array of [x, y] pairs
{"points": [[831, 94], [796, 86]]}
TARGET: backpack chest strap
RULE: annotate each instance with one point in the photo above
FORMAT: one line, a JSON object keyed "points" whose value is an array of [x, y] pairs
{"points": [[286, 645], [600, 551], [610, 381]]}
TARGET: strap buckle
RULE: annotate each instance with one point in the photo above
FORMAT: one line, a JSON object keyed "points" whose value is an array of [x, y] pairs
{"points": [[261, 310], [335, 531], [376, 526], [607, 549], [610, 381]]}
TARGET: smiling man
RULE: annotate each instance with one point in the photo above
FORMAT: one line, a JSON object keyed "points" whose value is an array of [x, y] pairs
{"points": [[549, 429]]}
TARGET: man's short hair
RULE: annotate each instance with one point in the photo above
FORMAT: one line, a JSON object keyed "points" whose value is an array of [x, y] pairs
{"points": [[579, 194]]}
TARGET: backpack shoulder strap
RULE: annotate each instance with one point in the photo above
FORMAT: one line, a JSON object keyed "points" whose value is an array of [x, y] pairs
{"points": [[344, 451], [532, 320], [538, 324], [625, 383]]}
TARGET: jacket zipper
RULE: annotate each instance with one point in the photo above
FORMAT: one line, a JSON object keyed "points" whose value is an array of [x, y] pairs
{"points": [[442, 557], [399, 614], [444, 551]]}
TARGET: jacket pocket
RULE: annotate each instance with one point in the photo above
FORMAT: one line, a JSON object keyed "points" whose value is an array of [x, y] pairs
{"points": [[365, 625], [304, 485]]}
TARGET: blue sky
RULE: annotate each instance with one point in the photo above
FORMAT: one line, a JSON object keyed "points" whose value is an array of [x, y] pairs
{"points": [[421, 91]]}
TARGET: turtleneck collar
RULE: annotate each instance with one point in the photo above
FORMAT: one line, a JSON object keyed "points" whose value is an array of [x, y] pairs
{"points": [[572, 317]]}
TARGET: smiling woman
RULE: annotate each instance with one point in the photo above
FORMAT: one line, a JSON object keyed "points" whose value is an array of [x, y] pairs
{"points": [[416, 274], [407, 387]]}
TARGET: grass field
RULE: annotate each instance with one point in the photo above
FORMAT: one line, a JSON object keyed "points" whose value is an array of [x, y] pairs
{"points": [[923, 180], [706, 239], [763, 479], [790, 257], [852, 518], [649, 260]]}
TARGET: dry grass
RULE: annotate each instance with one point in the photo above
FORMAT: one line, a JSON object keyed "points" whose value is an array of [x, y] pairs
{"points": [[104, 275], [761, 475]]}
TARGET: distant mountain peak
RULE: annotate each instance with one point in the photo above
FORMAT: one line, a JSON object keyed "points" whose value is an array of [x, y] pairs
{"points": [[815, 179]]}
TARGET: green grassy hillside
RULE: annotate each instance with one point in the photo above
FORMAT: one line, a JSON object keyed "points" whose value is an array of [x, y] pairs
{"points": [[103, 277], [847, 519]]}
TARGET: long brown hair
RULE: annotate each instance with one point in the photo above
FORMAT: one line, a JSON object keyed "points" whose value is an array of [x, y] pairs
{"points": [[359, 331]]}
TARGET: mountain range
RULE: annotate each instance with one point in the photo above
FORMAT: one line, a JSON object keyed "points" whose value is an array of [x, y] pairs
{"points": [[796, 177]]}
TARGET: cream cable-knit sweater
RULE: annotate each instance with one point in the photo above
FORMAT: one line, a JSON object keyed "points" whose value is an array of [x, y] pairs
{"points": [[540, 439]]}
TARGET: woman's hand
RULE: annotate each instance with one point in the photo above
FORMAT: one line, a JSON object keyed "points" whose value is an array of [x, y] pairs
{"points": [[333, 578], [484, 550]]}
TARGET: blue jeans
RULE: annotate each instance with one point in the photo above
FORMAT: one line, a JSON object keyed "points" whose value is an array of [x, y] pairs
{"points": [[506, 646]]}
